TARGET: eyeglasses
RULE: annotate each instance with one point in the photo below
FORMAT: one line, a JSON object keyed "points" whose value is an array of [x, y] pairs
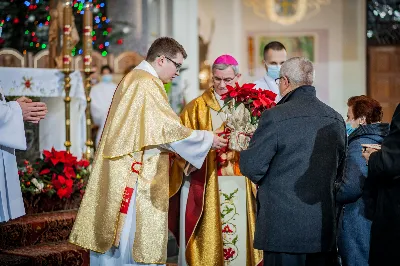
{"points": [[278, 80], [226, 80], [177, 65]]}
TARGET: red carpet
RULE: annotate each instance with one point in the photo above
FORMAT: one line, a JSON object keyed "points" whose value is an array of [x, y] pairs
{"points": [[41, 239]]}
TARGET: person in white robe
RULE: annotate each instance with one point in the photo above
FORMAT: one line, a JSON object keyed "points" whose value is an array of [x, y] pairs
{"points": [[101, 95], [12, 136], [193, 149], [274, 56]]}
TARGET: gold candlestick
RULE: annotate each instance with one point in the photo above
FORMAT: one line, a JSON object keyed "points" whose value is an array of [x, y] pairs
{"points": [[87, 65], [67, 69]]}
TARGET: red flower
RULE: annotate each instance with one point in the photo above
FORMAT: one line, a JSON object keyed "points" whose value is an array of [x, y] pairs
{"points": [[227, 229], [64, 192], [59, 156], [228, 253], [26, 162], [47, 154], [69, 172], [44, 171], [83, 163], [69, 183], [68, 158]]}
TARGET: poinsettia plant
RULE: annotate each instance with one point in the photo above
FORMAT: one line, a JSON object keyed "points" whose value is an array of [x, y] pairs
{"points": [[58, 172], [244, 106], [254, 100]]}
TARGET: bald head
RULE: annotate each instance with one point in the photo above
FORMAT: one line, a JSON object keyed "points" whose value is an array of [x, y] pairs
{"points": [[296, 72]]}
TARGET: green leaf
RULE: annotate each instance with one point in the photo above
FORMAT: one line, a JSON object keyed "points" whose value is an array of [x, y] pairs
{"points": [[234, 241]]}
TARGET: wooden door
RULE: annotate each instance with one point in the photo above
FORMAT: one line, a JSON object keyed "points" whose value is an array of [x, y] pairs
{"points": [[384, 77]]}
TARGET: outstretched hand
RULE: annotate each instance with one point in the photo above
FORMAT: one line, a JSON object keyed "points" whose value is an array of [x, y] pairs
{"points": [[219, 142]]}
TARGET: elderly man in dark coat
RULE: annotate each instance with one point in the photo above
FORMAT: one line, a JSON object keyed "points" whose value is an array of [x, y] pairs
{"points": [[382, 192], [295, 156]]}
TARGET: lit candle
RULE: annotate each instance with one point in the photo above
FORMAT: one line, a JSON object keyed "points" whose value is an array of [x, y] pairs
{"points": [[67, 39], [87, 37]]}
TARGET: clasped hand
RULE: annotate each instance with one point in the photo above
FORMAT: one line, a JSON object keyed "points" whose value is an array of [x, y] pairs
{"points": [[32, 112]]}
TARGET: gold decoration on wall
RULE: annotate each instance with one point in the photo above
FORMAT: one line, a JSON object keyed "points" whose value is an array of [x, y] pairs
{"points": [[286, 12]]}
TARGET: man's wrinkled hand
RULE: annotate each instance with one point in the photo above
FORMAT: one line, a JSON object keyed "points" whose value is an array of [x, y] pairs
{"points": [[219, 142], [32, 112]]}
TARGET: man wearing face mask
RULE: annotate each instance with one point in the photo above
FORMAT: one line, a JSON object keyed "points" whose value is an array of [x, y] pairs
{"points": [[102, 94], [274, 56]]}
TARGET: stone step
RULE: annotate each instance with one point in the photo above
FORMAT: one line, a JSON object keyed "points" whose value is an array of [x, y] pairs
{"points": [[61, 253], [14, 260], [36, 229]]}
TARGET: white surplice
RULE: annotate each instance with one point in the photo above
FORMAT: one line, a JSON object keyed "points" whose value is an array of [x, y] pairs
{"points": [[193, 149], [12, 136], [101, 95]]}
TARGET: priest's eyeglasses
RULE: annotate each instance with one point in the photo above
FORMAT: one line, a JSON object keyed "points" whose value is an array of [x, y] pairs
{"points": [[177, 65], [225, 80]]}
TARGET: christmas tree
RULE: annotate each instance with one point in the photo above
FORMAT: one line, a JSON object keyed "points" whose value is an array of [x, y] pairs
{"points": [[31, 20]]}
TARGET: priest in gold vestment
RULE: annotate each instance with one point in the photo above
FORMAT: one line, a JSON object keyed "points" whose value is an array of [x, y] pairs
{"points": [[123, 215], [212, 211]]}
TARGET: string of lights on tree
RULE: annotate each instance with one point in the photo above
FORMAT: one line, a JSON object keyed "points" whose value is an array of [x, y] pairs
{"points": [[31, 19], [383, 22]]}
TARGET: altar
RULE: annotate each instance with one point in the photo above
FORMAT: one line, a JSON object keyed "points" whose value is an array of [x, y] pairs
{"points": [[48, 84]]}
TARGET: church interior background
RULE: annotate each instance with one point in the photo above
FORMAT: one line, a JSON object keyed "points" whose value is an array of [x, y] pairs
{"points": [[353, 44]]}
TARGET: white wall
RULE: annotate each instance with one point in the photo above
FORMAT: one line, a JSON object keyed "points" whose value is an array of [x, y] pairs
{"points": [[340, 30]]}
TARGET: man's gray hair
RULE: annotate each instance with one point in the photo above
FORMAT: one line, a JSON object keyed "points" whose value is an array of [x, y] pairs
{"points": [[299, 71], [225, 66]]}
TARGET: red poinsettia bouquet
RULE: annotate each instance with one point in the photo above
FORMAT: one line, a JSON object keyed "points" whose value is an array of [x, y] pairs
{"points": [[58, 172], [244, 106]]}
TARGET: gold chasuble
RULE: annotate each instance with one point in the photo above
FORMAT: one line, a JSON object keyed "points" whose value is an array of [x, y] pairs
{"points": [[203, 229], [140, 117]]}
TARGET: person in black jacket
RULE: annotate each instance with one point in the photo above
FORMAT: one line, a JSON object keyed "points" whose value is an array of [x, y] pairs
{"points": [[382, 188], [295, 156]]}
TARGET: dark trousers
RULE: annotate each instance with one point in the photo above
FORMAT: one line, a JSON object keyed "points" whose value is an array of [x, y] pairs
{"points": [[295, 259]]}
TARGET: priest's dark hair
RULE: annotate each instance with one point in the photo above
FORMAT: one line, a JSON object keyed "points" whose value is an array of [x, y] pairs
{"points": [[165, 46], [277, 46]]}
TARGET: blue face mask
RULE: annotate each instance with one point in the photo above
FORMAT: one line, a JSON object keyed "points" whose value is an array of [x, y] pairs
{"points": [[106, 78], [349, 129], [273, 71]]}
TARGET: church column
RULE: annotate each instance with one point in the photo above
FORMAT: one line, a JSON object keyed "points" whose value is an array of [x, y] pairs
{"points": [[136, 34], [185, 31]]}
